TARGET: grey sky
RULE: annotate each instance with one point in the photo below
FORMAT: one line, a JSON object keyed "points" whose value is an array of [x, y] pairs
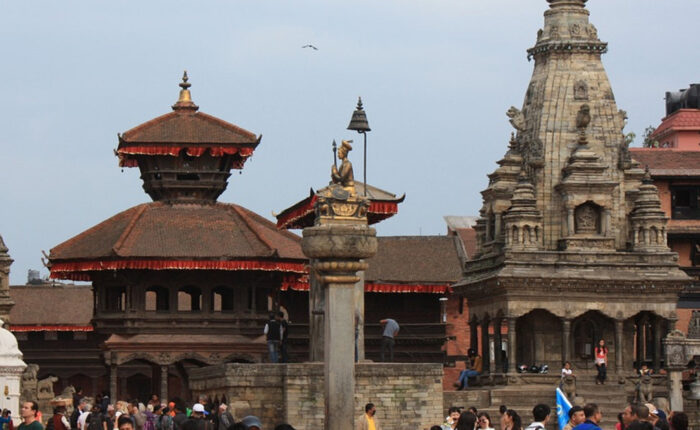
{"points": [[436, 78]]}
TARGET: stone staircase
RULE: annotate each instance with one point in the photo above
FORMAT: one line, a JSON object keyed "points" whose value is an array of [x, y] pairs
{"points": [[611, 397]]}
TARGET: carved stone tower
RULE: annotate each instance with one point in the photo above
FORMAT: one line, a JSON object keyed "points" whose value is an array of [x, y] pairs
{"points": [[6, 302], [568, 235]]}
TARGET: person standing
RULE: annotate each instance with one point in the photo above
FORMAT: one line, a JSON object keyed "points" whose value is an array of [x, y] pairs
{"points": [[593, 417], [368, 420], [224, 419], [601, 362], [576, 416], [28, 414], [391, 330], [540, 415], [284, 341], [273, 332]]}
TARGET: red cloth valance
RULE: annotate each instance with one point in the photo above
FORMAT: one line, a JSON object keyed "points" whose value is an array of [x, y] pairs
{"points": [[378, 210], [77, 271], [174, 150], [25, 328], [302, 284]]}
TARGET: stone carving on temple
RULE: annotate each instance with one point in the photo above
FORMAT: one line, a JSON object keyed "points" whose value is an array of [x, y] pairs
{"points": [[581, 90], [517, 118]]}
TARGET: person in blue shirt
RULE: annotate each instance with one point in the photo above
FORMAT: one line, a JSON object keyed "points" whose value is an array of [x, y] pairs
{"points": [[593, 417]]}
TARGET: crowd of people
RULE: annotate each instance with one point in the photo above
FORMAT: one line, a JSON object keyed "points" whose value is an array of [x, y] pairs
{"points": [[99, 413], [588, 417]]}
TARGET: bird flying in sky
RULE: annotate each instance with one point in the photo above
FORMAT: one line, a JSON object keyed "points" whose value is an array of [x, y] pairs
{"points": [[310, 46]]}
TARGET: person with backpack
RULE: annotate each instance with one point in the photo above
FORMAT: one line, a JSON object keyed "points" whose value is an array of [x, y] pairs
{"points": [[80, 407], [96, 420], [165, 420], [196, 421]]}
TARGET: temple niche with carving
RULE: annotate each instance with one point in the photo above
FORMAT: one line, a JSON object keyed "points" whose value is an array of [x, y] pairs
{"points": [[571, 238]]}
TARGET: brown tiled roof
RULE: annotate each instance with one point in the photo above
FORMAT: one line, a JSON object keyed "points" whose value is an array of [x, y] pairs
{"points": [[668, 161], [182, 231], [63, 304], [188, 127], [468, 238], [415, 259]]}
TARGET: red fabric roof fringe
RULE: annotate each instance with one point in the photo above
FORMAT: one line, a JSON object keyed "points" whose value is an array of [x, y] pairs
{"points": [[27, 328], [76, 270], [375, 208], [174, 150], [302, 284]]}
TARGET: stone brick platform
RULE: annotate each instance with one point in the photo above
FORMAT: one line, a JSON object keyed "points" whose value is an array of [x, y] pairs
{"points": [[406, 395]]}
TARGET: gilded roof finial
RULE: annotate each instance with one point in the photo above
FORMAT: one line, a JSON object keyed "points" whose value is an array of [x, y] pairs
{"points": [[185, 99]]}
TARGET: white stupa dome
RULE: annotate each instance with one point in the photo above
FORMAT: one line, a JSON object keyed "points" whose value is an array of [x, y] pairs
{"points": [[10, 355]]}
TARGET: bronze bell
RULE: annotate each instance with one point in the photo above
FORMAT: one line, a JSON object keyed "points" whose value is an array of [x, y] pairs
{"points": [[358, 122]]}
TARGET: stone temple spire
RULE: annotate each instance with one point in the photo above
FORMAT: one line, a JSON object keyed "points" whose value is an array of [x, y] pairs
{"points": [[6, 302], [569, 77]]}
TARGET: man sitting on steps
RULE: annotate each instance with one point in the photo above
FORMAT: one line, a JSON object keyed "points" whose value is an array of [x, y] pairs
{"points": [[474, 369]]}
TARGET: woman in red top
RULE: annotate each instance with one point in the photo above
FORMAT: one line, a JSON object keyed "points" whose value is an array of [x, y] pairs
{"points": [[601, 362]]}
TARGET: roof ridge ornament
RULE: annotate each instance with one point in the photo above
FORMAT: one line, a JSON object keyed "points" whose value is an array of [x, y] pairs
{"points": [[185, 99]]}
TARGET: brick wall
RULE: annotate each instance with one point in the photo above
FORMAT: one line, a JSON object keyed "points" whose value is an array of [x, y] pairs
{"points": [[406, 395]]}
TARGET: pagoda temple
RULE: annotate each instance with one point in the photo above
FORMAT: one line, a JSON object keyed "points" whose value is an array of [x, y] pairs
{"points": [[572, 241], [183, 281]]}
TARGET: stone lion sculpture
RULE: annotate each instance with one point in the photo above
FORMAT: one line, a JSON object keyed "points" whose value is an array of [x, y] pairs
{"points": [[28, 383], [645, 389], [45, 387], [568, 386]]}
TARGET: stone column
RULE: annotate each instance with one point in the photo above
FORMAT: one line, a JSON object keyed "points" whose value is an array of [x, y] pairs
{"points": [[497, 346], [657, 343], [164, 383], [565, 339], [676, 361], [570, 222], [498, 226], [338, 242], [619, 325], [512, 346], [485, 349], [359, 294], [640, 341], [474, 335], [317, 308], [675, 392], [113, 382]]}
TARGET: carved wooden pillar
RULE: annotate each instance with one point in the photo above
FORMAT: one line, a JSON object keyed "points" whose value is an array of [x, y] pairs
{"points": [[474, 335], [113, 382], [619, 325], [512, 346], [164, 383], [565, 339], [657, 343], [485, 347], [640, 341], [497, 346]]}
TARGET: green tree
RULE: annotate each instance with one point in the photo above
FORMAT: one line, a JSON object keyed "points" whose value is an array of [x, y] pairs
{"points": [[648, 141]]}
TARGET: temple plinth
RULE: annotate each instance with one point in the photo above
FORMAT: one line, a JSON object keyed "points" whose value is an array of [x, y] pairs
{"points": [[336, 244]]}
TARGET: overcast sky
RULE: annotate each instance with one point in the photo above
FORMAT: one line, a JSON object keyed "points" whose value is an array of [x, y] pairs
{"points": [[436, 78]]}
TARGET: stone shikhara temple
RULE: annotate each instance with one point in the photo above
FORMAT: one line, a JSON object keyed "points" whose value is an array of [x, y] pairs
{"points": [[571, 240]]}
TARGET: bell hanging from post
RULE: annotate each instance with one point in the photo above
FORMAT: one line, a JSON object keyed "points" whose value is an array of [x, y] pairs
{"points": [[358, 122]]}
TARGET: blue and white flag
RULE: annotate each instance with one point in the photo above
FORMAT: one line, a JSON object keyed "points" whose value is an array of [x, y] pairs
{"points": [[563, 407]]}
